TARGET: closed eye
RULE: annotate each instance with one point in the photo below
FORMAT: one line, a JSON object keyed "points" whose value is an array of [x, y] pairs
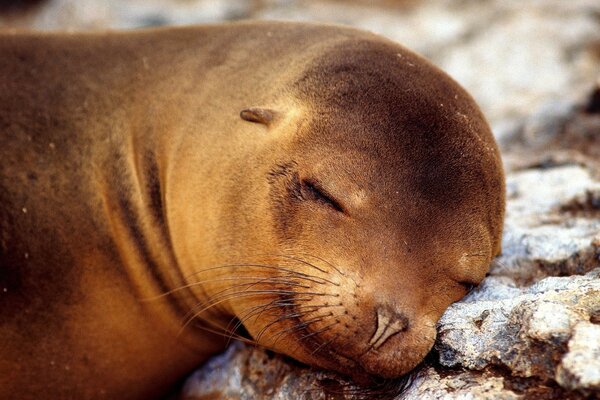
{"points": [[311, 190], [469, 286]]}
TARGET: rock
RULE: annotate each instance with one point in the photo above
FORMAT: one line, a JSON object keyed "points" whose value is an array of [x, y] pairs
{"points": [[547, 231], [565, 134], [580, 367], [115, 14], [247, 373], [430, 385], [526, 334]]}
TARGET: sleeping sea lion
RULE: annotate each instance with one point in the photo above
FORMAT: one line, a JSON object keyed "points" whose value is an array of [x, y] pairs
{"points": [[318, 190]]}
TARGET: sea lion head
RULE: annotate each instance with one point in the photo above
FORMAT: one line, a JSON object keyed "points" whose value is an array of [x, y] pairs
{"points": [[372, 200]]}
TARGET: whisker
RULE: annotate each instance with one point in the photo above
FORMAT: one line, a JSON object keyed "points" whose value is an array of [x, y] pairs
{"points": [[274, 304], [295, 259], [295, 314], [274, 279], [324, 344], [330, 264], [255, 265], [226, 297], [229, 335], [244, 318], [299, 326], [272, 307], [279, 319], [250, 285], [317, 332], [223, 293], [323, 260], [500, 263], [258, 310], [310, 265], [244, 293]]}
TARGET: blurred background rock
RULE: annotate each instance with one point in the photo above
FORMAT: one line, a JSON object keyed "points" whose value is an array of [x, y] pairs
{"points": [[532, 329], [514, 56]]}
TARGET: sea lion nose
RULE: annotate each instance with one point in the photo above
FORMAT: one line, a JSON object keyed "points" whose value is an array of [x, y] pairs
{"points": [[389, 323]]}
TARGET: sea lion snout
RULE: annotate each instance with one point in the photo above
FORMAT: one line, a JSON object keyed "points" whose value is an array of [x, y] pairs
{"points": [[389, 323], [399, 340]]}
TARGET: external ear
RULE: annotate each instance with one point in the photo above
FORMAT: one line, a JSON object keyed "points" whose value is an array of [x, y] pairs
{"points": [[260, 115]]}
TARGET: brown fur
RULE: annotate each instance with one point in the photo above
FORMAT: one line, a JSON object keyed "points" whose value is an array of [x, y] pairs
{"points": [[360, 180]]}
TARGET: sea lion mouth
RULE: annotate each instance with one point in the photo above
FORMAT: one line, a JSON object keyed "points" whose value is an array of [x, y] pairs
{"points": [[318, 346], [359, 383], [329, 359], [308, 339]]}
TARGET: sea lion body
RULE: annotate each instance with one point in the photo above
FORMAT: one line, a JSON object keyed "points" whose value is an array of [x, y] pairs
{"points": [[337, 218]]}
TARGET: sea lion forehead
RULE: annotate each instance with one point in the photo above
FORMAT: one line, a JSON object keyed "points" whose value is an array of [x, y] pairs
{"points": [[379, 90], [364, 73]]}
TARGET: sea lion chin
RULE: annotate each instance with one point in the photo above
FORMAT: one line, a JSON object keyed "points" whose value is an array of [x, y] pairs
{"points": [[323, 189]]}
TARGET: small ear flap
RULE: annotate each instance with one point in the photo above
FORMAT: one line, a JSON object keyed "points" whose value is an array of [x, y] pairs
{"points": [[260, 115]]}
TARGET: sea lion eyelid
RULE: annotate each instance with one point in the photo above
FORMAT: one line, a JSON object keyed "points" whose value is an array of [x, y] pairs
{"points": [[318, 193], [469, 286]]}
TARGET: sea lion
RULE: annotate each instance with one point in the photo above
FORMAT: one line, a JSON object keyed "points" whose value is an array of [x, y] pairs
{"points": [[317, 189]]}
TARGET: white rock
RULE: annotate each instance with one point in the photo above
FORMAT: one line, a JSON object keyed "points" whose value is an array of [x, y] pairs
{"points": [[462, 386], [580, 367]]}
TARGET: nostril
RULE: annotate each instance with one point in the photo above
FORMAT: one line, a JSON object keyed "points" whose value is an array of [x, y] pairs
{"points": [[389, 323]]}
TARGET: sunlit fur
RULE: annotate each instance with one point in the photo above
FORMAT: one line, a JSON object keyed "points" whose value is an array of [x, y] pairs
{"points": [[146, 219]]}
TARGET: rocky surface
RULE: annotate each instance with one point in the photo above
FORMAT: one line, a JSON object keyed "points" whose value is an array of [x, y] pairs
{"points": [[532, 329]]}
